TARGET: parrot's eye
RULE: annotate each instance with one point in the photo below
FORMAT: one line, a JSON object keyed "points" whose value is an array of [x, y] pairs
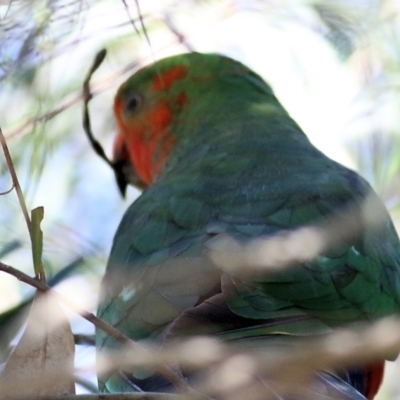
{"points": [[133, 103]]}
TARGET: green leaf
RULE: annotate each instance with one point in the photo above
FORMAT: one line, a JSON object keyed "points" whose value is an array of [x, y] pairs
{"points": [[37, 240]]}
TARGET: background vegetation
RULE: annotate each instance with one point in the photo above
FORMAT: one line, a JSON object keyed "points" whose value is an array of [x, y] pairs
{"points": [[335, 65]]}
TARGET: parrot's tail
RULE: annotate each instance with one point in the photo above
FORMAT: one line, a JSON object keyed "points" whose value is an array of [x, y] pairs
{"points": [[373, 378]]}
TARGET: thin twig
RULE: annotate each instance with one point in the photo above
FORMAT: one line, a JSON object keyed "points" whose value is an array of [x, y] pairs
{"points": [[143, 26], [163, 370], [130, 17], [87, 96], [15, 181], [47, 116], [171, 26], [7, 191]]}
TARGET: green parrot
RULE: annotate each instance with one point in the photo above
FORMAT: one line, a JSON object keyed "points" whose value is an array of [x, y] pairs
{"points": [[217, 157]]}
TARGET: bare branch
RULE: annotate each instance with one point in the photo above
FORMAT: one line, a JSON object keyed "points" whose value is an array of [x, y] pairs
{"points": [[15, 181], [143, 26], [130, 17]]}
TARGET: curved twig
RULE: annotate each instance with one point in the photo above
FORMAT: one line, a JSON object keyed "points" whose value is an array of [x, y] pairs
{"points": [[7, 191], [87, 96]]}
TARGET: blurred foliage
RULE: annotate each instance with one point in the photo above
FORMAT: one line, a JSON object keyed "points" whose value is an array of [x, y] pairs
{"points": [[46, 47]]}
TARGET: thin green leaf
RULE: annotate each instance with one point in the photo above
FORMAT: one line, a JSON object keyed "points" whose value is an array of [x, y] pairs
{"points": [[37, 240]]}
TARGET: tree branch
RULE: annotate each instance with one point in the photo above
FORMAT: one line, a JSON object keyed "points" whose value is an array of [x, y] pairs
{"points": [[163, 370]]}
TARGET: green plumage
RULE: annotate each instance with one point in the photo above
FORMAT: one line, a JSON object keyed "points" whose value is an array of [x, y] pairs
{"points": [[239, 166]]}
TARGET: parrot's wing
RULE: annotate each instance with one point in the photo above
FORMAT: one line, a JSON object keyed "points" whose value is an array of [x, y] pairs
{"points": [[159, 268]]}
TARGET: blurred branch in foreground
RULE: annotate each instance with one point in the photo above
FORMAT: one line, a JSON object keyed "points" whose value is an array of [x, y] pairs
{"points": [[119, 396], [292, 247], [164, 370], [234, 373]]}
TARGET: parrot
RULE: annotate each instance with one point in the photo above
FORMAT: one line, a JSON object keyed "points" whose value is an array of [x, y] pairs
{"points": [[216, 157]]}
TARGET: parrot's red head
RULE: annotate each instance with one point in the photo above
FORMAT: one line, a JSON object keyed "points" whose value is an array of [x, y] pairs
{"points": [[160, 104], [144, 118]]}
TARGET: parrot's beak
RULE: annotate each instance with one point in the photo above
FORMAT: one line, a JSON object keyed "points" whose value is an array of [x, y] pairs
{"points": [[125, 172], [120, 178], [120, 159]]}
